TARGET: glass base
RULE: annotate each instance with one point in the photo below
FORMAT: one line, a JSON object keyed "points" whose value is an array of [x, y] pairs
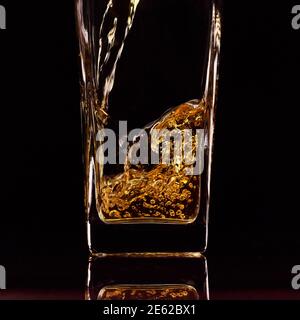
{"points": [[146, 240]]}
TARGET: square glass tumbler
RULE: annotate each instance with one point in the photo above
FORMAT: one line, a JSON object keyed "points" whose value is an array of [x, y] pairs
{"points": [[149, 72]]}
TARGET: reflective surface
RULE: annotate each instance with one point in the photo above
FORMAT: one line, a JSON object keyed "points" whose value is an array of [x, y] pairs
{"points": [[147, 279], [230, 278]]}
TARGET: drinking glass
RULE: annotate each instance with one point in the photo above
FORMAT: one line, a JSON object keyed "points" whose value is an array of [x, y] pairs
{"points": [[149, 71]]}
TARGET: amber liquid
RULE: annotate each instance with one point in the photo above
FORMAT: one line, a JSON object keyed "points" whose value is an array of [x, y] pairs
{"points": [[157, 193], [148, 292]]}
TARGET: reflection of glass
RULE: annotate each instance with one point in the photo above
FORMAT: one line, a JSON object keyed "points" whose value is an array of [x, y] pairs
{"points": [[147, 61], [148, 292], [147, 279]]}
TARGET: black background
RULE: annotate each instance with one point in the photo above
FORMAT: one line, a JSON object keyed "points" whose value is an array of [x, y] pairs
{"points": [[254, 220]]}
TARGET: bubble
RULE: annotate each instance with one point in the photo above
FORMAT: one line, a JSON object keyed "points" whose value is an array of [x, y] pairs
{"points": [[115, 214]]}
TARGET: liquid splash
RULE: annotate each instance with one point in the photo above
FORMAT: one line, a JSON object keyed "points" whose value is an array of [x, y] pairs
{"points": [[113, 32], [162, 192]]}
